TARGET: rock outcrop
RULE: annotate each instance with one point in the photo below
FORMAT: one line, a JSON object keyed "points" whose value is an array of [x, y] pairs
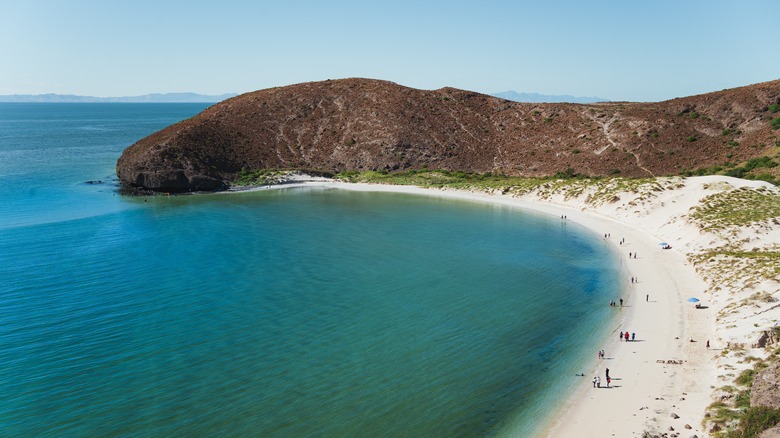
{"points": [[770, 433], [766, 387], [362, 124], [767, 338]]}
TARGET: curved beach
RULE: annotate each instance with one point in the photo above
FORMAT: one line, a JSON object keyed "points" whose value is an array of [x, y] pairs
{"points": [[665, 378]]}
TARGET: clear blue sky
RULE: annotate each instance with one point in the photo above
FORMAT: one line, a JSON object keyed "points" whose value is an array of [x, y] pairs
{"points": [[620, 50]]}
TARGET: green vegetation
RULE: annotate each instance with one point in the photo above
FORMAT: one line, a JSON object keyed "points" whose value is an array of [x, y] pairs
{"points": [[734, 417], [691, 138], [268, 177], [257, 177], [756, 420], [693, 115], [729, 131], [755, 168], [728, 269], [713, 170], [566, 174], [746, 377], [752, 164], [567, 183], [775, 107], [433, 178], [717, 211], [775, 123]]}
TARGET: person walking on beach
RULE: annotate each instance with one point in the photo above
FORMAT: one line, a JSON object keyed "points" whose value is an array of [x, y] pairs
{"points": [[647, 298], [626, 336], [620, 336], [708, 343], [606, 373], [608, 381], [621, 302], [633, 335], [594, 381], [598, 382]]}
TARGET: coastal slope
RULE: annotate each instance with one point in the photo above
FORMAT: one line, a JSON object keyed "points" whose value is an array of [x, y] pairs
{"points": [[364, 124]]}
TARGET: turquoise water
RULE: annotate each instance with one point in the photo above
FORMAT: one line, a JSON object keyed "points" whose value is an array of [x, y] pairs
{"points": [[292, 312]]}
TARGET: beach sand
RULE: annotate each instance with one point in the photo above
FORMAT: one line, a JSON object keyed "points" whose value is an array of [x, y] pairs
{"points": [[663, 381]]}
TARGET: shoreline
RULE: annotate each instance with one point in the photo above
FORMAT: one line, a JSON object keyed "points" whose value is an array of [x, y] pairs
{"points": [[665, 379], [641, 387]]}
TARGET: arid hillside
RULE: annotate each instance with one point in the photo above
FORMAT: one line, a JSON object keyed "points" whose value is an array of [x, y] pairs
{"points": [[364, 124]]}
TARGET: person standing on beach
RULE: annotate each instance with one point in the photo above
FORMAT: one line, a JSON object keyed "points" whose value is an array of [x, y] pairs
{"points": [[633, 335], [626, 336], [620, 336], [621, 302], [607, 373], [647, 298]]}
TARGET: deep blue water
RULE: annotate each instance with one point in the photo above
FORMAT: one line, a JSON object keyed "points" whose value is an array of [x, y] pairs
{"points": [[292, 312]]}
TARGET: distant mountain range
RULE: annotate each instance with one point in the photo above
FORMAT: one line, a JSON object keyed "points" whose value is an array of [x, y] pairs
{"points": [[146, 98], [194, 97], [543, 98]]}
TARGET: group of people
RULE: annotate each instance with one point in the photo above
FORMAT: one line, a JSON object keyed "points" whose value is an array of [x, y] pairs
{"points": [[597, 380], [623, 336]]}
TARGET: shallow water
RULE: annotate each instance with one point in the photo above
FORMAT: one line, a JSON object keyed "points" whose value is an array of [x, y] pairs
{"points": [[291, 312]]}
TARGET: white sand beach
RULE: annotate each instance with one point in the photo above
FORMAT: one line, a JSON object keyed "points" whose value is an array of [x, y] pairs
{"points": [[663, 381]]}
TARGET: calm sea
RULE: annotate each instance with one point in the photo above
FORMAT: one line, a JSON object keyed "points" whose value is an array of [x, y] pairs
{"points": [[277, 313]]}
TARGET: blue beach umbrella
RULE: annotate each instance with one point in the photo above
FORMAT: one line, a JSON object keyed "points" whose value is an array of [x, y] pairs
{"points": [[693, 300]]}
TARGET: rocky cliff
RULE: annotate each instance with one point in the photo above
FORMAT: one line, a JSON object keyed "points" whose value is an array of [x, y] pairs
{"points": [[363, 124]]}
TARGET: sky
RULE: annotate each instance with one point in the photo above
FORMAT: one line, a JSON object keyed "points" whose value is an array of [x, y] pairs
{"points": [[619, 50]]}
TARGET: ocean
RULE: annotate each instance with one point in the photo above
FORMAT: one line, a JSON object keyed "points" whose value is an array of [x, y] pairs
{"points": [[278, 313]]}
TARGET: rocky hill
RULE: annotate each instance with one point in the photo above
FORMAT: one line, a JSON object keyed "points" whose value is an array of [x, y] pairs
{"points": [[363, 124]]}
